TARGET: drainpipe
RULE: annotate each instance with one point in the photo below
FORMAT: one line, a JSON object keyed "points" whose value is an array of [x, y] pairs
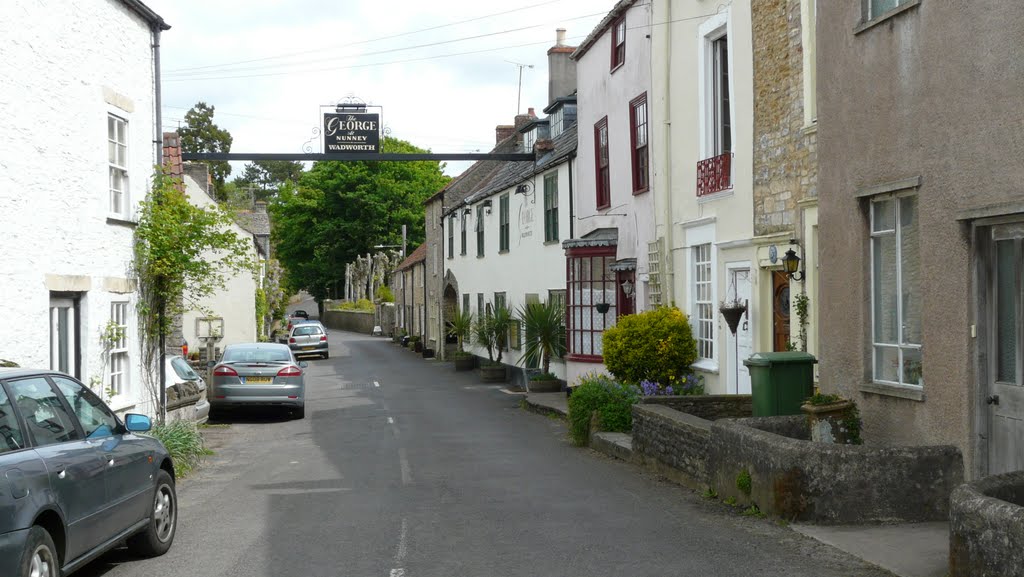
{"points": [[572, 211], [158, 142], [669, 265]]}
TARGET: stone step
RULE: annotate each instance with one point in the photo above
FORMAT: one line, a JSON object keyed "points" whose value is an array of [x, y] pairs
{"points": [[618, 445]]}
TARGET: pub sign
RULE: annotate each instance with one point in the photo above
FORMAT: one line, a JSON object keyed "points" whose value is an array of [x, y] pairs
{"points": [[351, 132]]}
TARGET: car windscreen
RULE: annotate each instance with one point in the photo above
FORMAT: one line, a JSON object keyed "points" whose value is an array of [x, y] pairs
{"points": [[304, 330], [183, 370], [256, 355]]}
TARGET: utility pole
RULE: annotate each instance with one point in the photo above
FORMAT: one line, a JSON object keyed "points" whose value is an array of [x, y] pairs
{"points": [[519, 91]]}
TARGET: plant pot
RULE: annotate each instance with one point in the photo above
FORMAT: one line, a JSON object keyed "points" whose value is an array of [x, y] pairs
{"points": [[492, 373], [465, 363], [418, 347], [544, 386], [827, 423], [428, 353], [732, 316]]}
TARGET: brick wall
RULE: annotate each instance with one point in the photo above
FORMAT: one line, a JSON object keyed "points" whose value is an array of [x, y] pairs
{"points": [[785, 155]]}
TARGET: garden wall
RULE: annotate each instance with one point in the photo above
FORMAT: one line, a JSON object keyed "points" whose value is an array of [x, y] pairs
{"points": [[800, 480], [672, 443], [354, 321], [710, 407], [986, 527]]}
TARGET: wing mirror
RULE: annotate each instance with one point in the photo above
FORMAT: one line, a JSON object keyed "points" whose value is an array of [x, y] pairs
{"points": [[303, 364], [211, 364], [137, 423]]}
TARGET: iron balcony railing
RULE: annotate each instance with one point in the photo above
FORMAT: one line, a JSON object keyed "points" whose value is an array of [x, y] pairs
{"points": [[714, 174]]}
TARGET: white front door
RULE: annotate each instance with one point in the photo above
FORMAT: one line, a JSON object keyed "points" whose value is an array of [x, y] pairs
{"points": [[740, 345], [1005, 396], [63, 336]]}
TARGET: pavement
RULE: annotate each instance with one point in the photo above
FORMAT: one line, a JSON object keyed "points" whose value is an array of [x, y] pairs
{"points": [[904, 549], [405, 468]]}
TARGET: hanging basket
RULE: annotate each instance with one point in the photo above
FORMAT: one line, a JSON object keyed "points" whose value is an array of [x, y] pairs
{"points": [[732, 315]]}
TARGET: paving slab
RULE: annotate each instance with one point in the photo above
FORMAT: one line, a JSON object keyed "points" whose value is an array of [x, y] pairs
{"points": [[549, 402], [906, 550]]}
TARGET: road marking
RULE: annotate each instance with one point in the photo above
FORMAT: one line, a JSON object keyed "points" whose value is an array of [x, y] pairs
{"points": [[376, 384], [391, 421], [398, 572], [403, 538], [403, 461]]}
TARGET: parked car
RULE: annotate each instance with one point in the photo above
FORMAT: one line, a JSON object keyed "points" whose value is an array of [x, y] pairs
{"points": [[300, 313], [282, 336], [179, 372], [309, 339], [258, 374], [77, 480]]}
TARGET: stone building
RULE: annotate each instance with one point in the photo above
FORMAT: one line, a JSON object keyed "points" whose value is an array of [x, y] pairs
{"points": [[922, 217], [409, 286]]}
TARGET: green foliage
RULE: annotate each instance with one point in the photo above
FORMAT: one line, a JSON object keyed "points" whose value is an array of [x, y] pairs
{"points": [[852, 423], [754, 511], [730, 501], [612, 400], [656, 345], [362, 305], [4, 363], [743, 482], [340, 210], [501, 324], [545, 326], [460, 326], [200, 134], [262, 310], [802, 302], [821, 399], [544, 377], [385, 295], [183, 442], [275, 291], [710, 493], [266, 177], [183, 253], [483, 335]]}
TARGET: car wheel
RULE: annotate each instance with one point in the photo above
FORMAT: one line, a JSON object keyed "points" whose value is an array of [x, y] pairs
{"points": [[158, 535], [326, 355], [300, 413], [40, 556]]}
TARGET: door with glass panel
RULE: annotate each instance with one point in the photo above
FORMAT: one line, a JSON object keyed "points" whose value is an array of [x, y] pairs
{"points": [[64, 335], [1005, 398]]}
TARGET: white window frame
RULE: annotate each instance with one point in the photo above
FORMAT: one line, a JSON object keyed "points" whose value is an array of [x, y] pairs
{"points": [[702, 276], [710, 30], [698, 233], [120, 209], [556, 119], [529, 139], [899, 346], [117, 380]]}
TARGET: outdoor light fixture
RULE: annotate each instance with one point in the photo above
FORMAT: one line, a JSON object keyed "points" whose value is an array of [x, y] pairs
{"points": [[467, 211], [791, 264], [350, 107], [487, 205], [627, 288]]}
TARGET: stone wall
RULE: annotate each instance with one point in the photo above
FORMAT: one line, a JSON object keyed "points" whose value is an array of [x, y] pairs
{"points": [[354, 321], [710, 407], [986, 527], [672, 443], [815, 482], [785, 154]]}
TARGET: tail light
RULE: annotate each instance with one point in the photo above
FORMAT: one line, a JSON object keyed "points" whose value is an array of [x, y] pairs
{"points": [[290, 371], [323, 339], [224, 371], [291, 339]]}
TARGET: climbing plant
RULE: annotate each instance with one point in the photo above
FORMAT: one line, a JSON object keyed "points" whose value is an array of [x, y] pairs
{"points": [[183, 253], [801, 302]]}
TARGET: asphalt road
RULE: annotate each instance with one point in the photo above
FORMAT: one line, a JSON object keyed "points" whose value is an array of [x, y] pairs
{"points": [[404, 468]]}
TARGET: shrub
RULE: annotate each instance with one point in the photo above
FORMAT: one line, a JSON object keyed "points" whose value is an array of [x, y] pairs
{"points": [[360, 305], [385, 295], [612, 400], [183, 442], [656, 345]]}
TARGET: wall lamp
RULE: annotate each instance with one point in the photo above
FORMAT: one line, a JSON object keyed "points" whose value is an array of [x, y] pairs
{"points": [[791, 265], [487, 205]]}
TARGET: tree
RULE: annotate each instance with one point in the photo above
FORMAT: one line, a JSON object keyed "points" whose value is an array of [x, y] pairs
{"points": [[183, 253], [340, 210], [200, 134], [267, 177]]}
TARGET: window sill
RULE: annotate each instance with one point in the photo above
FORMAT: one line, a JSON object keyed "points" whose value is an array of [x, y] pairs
{"points": [[503, 251], [641, 191], [706, 366], [810, 129], [616, 67], [716, 196], [550, 242], [480, 256], [900, 391], [122, 221], [886, 16]]}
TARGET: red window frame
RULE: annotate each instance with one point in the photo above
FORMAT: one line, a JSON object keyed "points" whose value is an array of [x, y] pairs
{"points": [[618, 42], [638, 139], [582, 318], [602, 162]]}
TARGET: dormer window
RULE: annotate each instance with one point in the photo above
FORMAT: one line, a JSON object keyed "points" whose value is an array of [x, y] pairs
{"points": [[556, 118], [529, 139], [618, 42]]}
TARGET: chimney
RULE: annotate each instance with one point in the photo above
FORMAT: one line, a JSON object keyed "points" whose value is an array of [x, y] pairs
{"points": [[172, 153], [200, 173], [260, 206], [561, 68], [503, 131], [542, 146], [524, 119]]}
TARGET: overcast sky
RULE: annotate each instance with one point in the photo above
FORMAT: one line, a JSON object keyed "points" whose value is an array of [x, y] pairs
{"points": [[442, 70]]}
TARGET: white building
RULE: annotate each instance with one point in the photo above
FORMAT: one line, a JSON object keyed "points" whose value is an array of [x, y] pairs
{"points": [[609, 272], [79, 94]]}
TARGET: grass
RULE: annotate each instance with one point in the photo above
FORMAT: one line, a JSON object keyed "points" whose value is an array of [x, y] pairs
{"points": [[185, 444], [710, 493]]}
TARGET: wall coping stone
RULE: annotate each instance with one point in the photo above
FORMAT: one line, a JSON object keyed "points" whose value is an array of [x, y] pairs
{"points": [[986, 530]]}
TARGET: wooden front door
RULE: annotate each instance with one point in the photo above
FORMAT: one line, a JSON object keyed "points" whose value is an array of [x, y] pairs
{"points": [[780, 311], [1004, 399]]}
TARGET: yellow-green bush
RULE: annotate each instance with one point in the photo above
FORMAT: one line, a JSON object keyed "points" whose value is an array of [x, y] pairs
{"points": [[360, 305], [656, 345]]}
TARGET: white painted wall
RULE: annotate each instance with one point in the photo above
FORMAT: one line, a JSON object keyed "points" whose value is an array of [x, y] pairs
{"points": [[602, 92], [530, 266], [65, 66], [236, 302], [680, 84]]}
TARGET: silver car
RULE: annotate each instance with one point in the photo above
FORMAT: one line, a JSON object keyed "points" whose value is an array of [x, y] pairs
{"points": [[309, 339], [258, 374]]}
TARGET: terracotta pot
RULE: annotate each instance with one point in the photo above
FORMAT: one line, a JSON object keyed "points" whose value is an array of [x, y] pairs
{"points": [[544, 386]]}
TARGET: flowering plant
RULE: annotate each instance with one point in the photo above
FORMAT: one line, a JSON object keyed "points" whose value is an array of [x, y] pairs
{"points": [[688, 384]]}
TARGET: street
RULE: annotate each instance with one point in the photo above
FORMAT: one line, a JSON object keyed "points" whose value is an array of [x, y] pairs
{"points": [[403, 467]]}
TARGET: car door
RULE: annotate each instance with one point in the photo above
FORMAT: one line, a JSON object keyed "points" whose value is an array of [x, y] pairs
{"points": [[127, 457], [23, 475], [74, 466]]}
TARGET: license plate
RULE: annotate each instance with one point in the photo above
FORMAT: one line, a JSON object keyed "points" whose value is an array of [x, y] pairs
{"points": [[308, 348], [258, 380]]}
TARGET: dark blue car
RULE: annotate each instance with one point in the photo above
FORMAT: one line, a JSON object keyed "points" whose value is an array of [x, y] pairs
{"points": [[75, 480]]}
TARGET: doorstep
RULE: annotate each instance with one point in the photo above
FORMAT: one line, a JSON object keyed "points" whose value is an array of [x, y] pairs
{"points": [[906, 549]]}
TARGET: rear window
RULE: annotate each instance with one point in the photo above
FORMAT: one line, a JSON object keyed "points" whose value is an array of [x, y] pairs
{"points": [[256, 355], [183, 370], [304, 330]]}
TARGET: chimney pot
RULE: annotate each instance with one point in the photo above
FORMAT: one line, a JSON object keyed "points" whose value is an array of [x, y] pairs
{"points": [[560, 37]]}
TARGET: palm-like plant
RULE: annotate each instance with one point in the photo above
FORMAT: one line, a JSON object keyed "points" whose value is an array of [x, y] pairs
{"points": [[543, 323], [460, 326], [501, 323], [483, 335]]}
